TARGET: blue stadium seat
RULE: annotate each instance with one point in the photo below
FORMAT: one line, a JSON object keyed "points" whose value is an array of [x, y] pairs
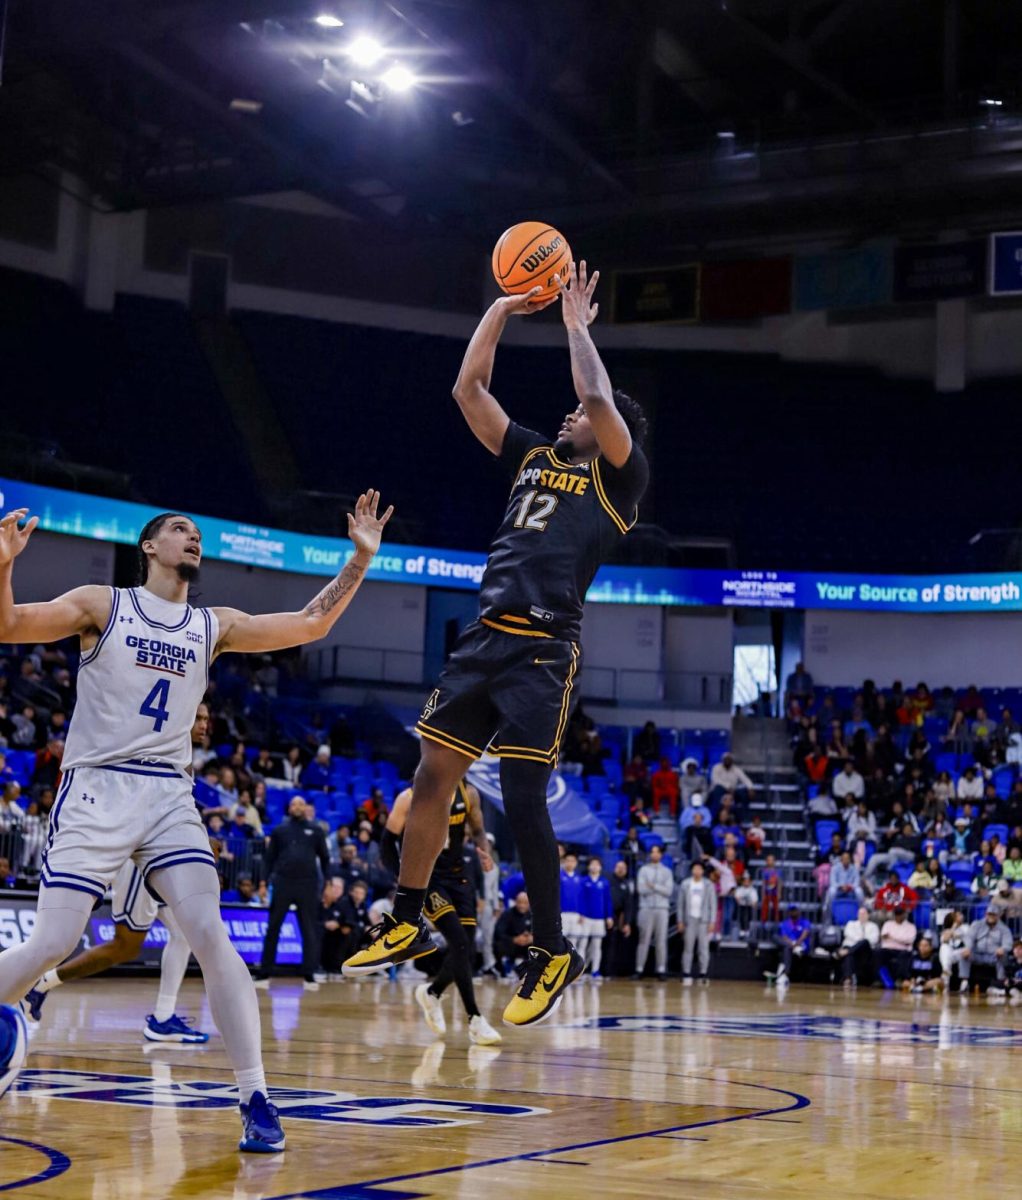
{"points": [[904, 870], [386, 770], [826, 827], [613, 771], [648, 839], [923, 916], [844, 909], [1001, 831], [597, 785], [946, 760], [960, 873], [1003, 780], [616, 838]]}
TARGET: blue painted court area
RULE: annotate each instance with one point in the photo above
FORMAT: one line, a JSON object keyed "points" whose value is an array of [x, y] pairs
{"points": [[807, 1026]]}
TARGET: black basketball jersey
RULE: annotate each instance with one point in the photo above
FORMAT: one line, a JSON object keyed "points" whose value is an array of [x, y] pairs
{"points": [[449, 861], [561, 522]]}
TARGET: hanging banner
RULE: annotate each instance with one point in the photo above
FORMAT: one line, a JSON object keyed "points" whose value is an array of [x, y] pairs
{"points": [[746, 290], [571, 817], [941, 271], [656, 295], [1006, 264], [859, 278]]}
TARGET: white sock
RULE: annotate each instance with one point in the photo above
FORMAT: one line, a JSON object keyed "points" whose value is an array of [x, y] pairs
{"points": [[50, 980], [166, 1005], [250, 1082]]}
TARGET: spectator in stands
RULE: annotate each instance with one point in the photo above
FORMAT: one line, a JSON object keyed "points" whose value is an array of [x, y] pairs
{"points": [[961, 840], [944, 789], [886, 754], [655, 888], [794, 938], [903, 848], [11, 812], [698, 842], [7, 726], [861, 825], [746, 902], [34, 829], [7, 877], [727, 824], [897, 938], [921, 704], [352, 869], [952, 943], [693, 782], [881, 714], [697, 918], [316, 776], [799, 686], [513, 935], [317, 822], [1009, 733], [857, 723], [354, 916], [755, 836], [27, 730], [726, 777], [822, 804], [971, 701], [1006, 901], [893, 895], [593, 756], [247, 892], [859, 940], [957, 735], [341, 737], [665, 788], [725, 874], [647, 742], [924, 969], [631, 846], [988, 944], [815, 765], [623, 904], [845, 881], [1011, 871], [248, 811], [986, 879], [265, 765], [635, 781], [922, 879], [773, 886], [983, 730], [333, 940], [291, 767]]}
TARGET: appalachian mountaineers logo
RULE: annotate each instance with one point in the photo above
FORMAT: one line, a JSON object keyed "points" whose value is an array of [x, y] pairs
{"points": [[431, 704]]}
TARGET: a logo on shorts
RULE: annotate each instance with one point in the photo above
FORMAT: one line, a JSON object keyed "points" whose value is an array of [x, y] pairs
{"points": [[88, 799], [431, 704]]}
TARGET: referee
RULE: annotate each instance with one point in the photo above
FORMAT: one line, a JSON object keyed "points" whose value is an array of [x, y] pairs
{"points": [[291, 868]]}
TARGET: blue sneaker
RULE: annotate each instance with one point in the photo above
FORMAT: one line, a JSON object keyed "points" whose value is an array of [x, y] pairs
{"points": [[885, 978], [14, 1039], [262, 1133], [174, 1029], [32, 1005]]}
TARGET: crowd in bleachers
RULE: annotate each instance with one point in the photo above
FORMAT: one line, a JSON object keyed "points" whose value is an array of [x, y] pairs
{"points": [[914, 803]]}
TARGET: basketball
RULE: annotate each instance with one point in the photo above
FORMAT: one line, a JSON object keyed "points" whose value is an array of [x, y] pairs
{"points": [[528, 254]]}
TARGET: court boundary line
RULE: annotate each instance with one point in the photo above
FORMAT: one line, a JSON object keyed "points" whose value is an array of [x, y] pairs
{"points": [[59, 1163], [799, 1102]]}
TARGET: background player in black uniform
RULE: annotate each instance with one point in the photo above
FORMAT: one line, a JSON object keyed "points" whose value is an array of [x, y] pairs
{"points": [[451, 901], [508, 684]]}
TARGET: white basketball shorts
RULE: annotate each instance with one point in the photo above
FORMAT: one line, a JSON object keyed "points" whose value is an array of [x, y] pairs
{"points": [[103, 817], [131, 904]]}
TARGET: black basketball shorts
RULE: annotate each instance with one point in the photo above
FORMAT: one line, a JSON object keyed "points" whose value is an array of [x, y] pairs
{"points": [[505, 693]]}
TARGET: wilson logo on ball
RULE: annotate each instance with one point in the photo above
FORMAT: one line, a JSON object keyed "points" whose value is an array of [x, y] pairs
{"points": [[541, 254]]}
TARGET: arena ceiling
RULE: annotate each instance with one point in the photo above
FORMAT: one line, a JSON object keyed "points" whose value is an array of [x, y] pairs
{"points": [[644, 119]]}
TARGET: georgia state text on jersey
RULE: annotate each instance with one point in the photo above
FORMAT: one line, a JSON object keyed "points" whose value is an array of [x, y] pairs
{"points": [[139, 686], [562, 521]]}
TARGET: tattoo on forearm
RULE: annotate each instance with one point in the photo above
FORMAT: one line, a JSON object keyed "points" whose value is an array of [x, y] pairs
{"points": [[335, 592], [590, 374]]}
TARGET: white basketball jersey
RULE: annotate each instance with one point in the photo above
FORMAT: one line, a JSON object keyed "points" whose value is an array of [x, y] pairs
{"points": [[139, 686]]}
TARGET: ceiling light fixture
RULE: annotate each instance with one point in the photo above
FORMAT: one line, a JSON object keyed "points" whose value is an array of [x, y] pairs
{"points": [[365, 51], [398, 78], [328, 21]]}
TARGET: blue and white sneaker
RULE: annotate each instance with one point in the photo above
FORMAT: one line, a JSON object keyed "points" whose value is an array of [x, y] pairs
{"points": [[174, 1029], [32, 1005], [261, 1133], [14, 1037]]}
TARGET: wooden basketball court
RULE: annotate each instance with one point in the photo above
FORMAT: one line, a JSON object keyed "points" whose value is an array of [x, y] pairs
{"points": [[633, 1089]]}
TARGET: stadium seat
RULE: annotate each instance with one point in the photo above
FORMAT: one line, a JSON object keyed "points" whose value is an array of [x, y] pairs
{"points": [[825, 830], [843, 910], [960, 873], [1000, 830], [903, 870], [923, 916], [616, 838], [646, 840], [946, 760]]}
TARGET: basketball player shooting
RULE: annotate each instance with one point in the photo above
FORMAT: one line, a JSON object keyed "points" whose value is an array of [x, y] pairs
{"points": [[507, 686], [126, 792]]}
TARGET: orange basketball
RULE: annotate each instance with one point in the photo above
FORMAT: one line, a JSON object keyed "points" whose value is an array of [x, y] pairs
{"points": [[528, 254]]}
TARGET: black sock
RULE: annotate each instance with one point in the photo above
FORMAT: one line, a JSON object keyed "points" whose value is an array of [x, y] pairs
{"points": [[524, 786], [408, 904], [457, 966]]}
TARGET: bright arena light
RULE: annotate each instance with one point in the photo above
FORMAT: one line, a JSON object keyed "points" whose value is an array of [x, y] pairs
{"points": [[329, 21], [365, 51], [398, 78]]}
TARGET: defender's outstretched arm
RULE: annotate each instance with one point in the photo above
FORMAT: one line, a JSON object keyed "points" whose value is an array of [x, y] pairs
{"points": [[246, 634]]}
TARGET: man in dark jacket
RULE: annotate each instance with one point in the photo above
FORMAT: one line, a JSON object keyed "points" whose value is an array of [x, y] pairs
{"points": [[295, 846], [620, 950], [354, 917], [513, 935]]}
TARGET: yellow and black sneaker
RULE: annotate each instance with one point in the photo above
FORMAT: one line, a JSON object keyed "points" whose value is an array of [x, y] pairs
{"points": [[544, 978], [391, 943]]}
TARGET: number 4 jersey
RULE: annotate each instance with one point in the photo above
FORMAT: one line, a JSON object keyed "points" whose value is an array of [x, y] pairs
{"points": [[562, 522], [139, 686]]}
